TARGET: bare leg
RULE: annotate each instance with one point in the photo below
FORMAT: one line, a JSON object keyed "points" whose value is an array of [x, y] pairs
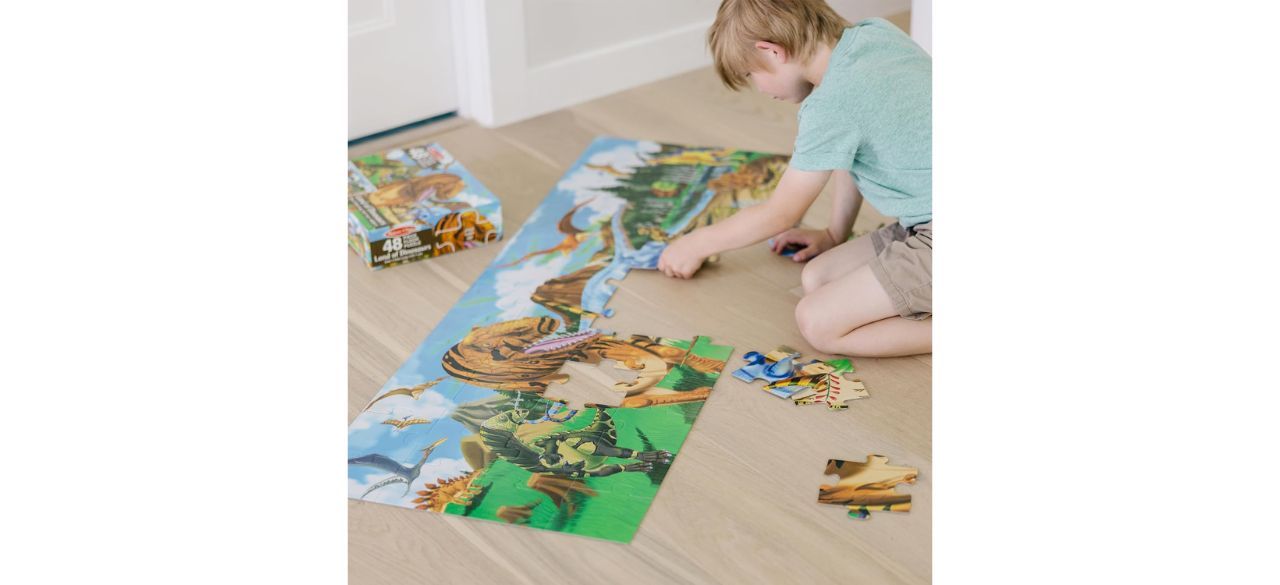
{"points": [[853, 315], [892, 337], [837, 262]]}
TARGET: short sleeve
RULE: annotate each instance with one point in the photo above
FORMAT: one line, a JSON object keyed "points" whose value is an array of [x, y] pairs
{"points": [[826, 141]]}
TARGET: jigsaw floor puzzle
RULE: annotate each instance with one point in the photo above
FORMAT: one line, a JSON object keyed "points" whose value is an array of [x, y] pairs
{"points": [[465, 426]]}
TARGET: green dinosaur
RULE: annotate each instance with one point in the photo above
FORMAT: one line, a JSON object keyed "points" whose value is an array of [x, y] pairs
{"points": [[574, 454]]}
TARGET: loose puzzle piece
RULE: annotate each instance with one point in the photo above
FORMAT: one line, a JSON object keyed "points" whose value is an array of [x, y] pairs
{"points": [[867, 487], [783, 389], [833, 392], [773, 366], [787, 251], [821, 383]]}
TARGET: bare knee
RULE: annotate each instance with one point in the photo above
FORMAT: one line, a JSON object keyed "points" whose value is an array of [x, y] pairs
{"points": [[814, 326], [814, 275]]}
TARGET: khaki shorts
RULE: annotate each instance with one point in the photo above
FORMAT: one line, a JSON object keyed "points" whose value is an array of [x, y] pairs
{"points": [[904, 267]]}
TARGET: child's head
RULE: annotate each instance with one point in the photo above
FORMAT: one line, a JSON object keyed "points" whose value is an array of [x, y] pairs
{"points": [[767, 43]]}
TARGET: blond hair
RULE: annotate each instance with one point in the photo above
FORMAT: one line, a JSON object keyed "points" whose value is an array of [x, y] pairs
{"points": [[795, 25]]}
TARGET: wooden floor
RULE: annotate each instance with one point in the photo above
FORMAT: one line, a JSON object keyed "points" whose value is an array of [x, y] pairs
{"points": [[739, 505]]}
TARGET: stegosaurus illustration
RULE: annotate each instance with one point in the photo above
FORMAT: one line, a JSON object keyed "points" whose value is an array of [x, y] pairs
{"points": [[574, 454], [456, 490]]}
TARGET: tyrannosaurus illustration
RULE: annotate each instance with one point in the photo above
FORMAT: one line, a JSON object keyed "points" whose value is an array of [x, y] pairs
{"points": [[574, 454], [526, 355]]}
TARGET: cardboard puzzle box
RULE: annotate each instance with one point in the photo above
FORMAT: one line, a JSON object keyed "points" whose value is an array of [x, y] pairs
{"points": [[416, 202]]}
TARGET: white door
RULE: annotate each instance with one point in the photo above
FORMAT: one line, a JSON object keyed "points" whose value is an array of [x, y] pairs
{"points": [[399, 64]]}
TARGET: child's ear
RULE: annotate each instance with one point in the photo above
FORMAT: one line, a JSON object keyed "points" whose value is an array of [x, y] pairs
{"points": [[772, 51]]}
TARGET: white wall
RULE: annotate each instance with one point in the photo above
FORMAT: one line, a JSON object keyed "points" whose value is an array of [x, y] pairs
{"points": [[922, 23], [559, 29], [521, 58]]}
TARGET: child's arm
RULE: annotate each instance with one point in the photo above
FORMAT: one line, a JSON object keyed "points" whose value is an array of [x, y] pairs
{"points": [[845, 204], [795, 193]]}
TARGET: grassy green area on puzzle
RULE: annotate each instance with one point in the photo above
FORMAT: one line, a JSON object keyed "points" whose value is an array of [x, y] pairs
{"points": [[622, 499]]}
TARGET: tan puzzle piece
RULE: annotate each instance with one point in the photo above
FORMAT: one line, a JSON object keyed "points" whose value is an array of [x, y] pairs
{"points": [[834, 391], [868, 486]]}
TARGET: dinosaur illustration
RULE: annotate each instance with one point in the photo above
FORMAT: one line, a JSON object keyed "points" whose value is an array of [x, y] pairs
{"points": [[608, 170], [560, 490], [396, 201], [455, 490], [865, 486], [526, 355], [517, 514], [401, 423], [564, 295], [574, 454], [706, 156], [414, 392], [457, 231], [572, 237], [405, 475]]}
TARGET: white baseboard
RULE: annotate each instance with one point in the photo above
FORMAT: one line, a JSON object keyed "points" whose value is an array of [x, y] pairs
{"points": [[615, 68]]}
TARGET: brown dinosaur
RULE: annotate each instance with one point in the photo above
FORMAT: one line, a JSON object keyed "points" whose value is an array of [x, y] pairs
{"points": [[526, 355]]}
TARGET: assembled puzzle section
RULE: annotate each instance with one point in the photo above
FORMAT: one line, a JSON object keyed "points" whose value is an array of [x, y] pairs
{"points": [[867, 487], [501, 448], [416, 202]]}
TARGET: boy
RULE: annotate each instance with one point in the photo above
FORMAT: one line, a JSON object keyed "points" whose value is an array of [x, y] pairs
{"points": [[865, 124]]}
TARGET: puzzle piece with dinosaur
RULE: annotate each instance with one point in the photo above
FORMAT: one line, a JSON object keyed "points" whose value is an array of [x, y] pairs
{"points": [[867, 487], [491, 388], [773, 366], [821, 383], [795, 384]]}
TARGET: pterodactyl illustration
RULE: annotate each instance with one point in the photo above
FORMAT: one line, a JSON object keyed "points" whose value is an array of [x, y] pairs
{"points": [[608, 169], [572, 237], [401, 423], [405, 475], [413, 392]]}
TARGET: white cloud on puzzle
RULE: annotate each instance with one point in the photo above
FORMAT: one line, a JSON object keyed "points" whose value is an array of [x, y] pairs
{"points": [[471, 199], [441, 468], [515, 285], [624, 157]]}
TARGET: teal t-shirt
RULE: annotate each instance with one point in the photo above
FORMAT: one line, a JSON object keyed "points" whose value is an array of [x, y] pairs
{"points": [[872, 115]]}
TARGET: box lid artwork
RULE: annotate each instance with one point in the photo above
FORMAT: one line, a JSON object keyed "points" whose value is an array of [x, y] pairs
{"points": [[416, 202]]}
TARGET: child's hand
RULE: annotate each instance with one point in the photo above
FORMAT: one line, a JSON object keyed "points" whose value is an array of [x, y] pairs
{"points": [[680, 259], [810, 242]]}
